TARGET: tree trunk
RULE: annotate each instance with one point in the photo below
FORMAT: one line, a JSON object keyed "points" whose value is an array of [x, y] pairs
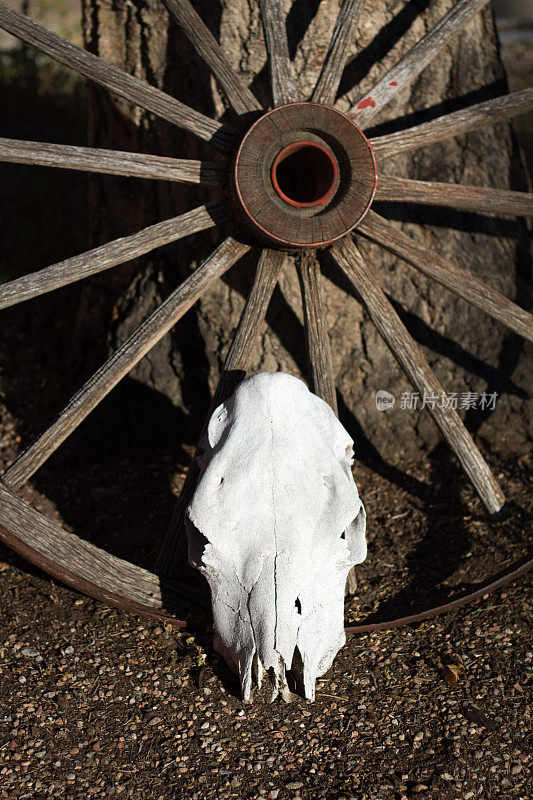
{"points": [[468, 351]]}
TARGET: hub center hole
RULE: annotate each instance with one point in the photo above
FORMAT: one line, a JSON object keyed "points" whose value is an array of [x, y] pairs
{"points": [[304, 174]]}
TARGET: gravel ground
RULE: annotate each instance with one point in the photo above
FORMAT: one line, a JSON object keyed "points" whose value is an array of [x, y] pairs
{"points": [[98, 703]]}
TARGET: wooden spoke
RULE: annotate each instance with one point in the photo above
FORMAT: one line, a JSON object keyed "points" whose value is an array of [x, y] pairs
{"points": [[448, 274], [253, 316], [112, 162], [115, 80], [418, 57], [318, 343], [319, 347], [86, 567], [283, 84], [174, 549], [480, 199], [343, 35], [207, 47], [419, 373], [455, 124], [112, 254], [123, 360]]}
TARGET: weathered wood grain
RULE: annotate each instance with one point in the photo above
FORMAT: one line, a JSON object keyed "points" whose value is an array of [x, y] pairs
{"points": [[207, 47], [448, 274], [253, 316], [344, 33], [318, 343], [174, 549], [283, 84], [455, 124], [112, 254], [480, 199], [412, 64], [280, 223], [115, 80], [123, 360], [412, 362], [86, 567], [111, 162]]}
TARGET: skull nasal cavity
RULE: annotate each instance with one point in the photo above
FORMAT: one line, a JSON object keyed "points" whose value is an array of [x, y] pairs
{"points": [[304, 174]]}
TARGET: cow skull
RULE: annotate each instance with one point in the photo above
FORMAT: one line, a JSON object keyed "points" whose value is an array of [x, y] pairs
{"points": [[275, 525]]}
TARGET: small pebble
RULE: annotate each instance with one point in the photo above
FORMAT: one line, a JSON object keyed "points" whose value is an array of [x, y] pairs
{"points": [[29, 652]]}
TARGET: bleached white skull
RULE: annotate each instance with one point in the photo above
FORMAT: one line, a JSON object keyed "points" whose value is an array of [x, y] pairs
{"points": [[275, 525]]}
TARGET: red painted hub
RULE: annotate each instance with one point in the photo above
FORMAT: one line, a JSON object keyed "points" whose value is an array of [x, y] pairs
{"points": [[304, 175]]}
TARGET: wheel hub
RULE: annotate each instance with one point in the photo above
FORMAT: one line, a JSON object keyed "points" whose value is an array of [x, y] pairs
{"points": [[303, 176]]}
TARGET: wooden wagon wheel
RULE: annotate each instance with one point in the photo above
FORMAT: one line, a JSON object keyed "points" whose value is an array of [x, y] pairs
{"points": [[298, 177]]}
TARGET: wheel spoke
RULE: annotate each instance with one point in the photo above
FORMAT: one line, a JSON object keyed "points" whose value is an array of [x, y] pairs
{"points": [[283, 84], [174, 549], [480, 199], [115, 80], [418, 371], [414, 61], [207, 47], [319, 346], [467, 119], [448, 274], [123, 360], [253, 316], [111, 162], [343, 35], [318, 343], [112, 254]]}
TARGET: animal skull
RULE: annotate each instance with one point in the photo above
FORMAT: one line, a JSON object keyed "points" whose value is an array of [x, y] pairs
{"points": [[275, 525]]}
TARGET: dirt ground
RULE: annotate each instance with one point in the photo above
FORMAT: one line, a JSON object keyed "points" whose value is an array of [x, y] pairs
{"points": [[99, 703], [96, 703]]}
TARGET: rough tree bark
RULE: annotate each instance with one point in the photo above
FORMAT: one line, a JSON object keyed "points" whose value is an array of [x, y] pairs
{"points": [[467, 350]]}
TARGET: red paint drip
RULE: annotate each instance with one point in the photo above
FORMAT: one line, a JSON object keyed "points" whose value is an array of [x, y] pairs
{"points": [[393, 83], [367, 103]]}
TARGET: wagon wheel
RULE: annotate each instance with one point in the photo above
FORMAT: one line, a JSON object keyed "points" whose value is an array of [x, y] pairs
{"points": [[299, 177]]}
